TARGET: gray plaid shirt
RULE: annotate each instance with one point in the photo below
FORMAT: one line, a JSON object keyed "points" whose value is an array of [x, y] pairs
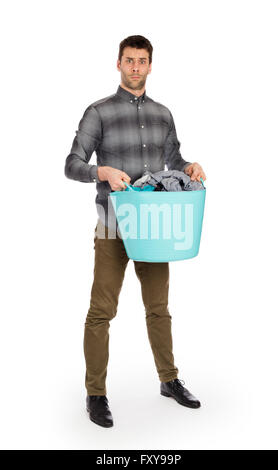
{"points": [[134, 134]]}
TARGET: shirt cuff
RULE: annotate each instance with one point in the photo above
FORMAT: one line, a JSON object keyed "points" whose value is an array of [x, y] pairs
{"points": [[94, 174], [187, 164]]}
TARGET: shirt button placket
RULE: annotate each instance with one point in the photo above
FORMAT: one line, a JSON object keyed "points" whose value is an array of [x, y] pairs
{"points": [[142, 127]]}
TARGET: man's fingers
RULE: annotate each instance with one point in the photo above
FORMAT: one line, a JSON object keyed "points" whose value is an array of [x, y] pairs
{"points": [[125, 177], [123, 186], [198, 176], [195, 171], [194, 175]]}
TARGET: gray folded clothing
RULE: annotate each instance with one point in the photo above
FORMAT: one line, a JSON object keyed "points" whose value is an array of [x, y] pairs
{"points": [[143, 181], [172, 180]]}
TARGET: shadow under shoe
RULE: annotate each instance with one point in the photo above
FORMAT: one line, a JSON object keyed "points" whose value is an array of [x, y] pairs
{"points": [[176, 390], [98, 409]]}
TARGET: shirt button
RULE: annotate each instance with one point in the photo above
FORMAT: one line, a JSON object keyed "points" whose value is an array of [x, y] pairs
{"points": [[139, 107], [142, 127], [131, 101], [144, 145], [135, 99], [145, 165]]}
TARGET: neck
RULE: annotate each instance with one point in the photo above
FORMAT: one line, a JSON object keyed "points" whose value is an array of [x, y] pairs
{"points": [[134, 92]]}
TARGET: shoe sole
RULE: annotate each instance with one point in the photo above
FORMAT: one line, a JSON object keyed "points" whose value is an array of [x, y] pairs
{"points": [[102, 425], [165, 394]]}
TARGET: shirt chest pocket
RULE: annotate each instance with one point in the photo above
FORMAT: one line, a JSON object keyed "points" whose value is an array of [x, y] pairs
{"points": [[158, 130]]}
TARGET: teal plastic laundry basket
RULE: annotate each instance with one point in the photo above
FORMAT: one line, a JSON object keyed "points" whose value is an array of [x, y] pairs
{"points": [[159, 226]]}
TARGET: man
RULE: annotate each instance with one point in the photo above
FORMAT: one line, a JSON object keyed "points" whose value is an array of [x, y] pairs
{"points": [[132, 135]]}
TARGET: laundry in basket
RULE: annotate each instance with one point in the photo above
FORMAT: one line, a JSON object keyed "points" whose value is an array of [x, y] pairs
{"points": [[159, 226]]}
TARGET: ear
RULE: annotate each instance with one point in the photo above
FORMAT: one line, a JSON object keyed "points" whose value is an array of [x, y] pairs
{"points": [[118, 65], [150, 68]]}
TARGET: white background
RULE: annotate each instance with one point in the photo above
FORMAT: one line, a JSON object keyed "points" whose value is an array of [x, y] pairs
{"points": [[215, 67]]}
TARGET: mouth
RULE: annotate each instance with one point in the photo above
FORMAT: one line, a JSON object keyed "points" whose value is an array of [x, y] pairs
{"points": [[136, 77]]}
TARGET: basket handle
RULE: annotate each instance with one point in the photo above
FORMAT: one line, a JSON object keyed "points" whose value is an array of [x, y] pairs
{"points": [[202, 182], [128, 186]]}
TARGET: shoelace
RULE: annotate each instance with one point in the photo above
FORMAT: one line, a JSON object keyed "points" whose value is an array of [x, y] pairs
{"points": [[102, 400], [179, 384]]}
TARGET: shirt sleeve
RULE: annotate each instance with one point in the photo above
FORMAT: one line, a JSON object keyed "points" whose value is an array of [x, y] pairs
{"points": [[172, 155], [87, 139]]}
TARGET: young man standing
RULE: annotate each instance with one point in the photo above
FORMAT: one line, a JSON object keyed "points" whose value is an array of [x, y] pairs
{"points": [[132, 135]]}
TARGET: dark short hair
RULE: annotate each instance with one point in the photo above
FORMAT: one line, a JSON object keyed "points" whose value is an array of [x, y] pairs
{"points": [[137, 41]]}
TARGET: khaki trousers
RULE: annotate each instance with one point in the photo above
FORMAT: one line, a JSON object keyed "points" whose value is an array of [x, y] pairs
{"points": [[109, 269]]}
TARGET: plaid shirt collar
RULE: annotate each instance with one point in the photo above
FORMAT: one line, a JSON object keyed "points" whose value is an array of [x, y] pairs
{"points": [[127, 96]]}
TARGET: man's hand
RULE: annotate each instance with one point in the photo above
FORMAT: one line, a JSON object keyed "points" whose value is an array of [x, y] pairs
{"points": [[195, 171], [114, 177]]}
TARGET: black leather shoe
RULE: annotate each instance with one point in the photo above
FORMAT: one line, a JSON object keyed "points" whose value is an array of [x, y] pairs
{"points": [[175, 389], [97, 406]]}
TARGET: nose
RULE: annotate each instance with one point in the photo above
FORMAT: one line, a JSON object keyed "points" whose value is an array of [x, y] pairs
{"points": [[135, 68]]}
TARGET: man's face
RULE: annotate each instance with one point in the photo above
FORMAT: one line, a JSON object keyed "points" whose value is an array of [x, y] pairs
{"points": [[134, 67]]}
